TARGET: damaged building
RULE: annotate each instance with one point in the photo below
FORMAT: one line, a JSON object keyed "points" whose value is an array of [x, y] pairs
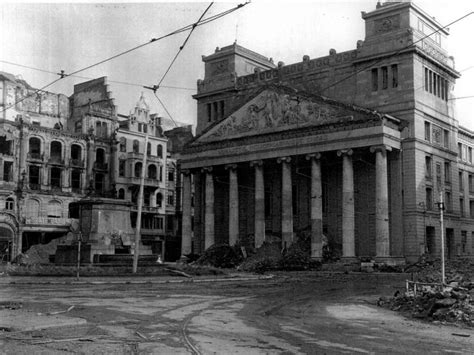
{"points": [[353, 147], [56, 150]]}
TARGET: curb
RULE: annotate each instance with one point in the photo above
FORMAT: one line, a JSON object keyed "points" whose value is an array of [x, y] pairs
{"points": [[136, 282]]}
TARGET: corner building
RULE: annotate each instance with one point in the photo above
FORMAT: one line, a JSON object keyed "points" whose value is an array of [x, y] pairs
{"points": [[356, 146]]}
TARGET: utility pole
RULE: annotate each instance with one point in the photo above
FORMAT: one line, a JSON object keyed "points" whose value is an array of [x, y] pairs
{"points": [[441, 223], [138, 225]]}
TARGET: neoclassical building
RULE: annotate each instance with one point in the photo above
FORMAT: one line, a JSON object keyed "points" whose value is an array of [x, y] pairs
{"points": [[354, 146]]}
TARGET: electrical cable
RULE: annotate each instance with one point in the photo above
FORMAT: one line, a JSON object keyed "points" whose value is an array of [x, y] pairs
{"points": [[162, 104], [155, 87], [62, 74], [394, 54]]}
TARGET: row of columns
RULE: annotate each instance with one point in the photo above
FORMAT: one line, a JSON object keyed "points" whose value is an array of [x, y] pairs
{"points": [[348, 206]]}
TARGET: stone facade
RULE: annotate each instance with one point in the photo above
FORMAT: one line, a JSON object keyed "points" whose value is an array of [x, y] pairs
{"points": [[56, 150], [354, 145]]}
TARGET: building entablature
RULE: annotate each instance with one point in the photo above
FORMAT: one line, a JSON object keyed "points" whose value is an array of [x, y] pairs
{"points": [[283, 121]]}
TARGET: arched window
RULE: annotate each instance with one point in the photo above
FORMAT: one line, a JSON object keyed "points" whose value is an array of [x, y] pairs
{"points": [[35, 148], [136, 146], [159, 151], [54, 209], [123, 144], [138, 169], [10, 204], [152, 171], [159, 199], [76, 154], [121, 194], [56, 151]]}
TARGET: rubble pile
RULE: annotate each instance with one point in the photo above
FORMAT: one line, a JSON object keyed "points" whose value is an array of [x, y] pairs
{"points": [[453, 303], [265, 258], [221, 255], [39, 253]]}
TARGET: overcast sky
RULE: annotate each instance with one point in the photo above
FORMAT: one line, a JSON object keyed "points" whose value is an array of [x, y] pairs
{"points": [[70, 36]]}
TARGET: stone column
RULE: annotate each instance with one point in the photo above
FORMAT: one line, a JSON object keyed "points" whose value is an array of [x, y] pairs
{"points": [[316, 207], [198, 213], [259, 203], [186, 232], [233, 204], [209, 237], [382, 230], [348, 212], [286, 202]]}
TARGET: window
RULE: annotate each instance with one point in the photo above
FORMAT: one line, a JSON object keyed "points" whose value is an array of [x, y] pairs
{"points": [[56, 151], [160, 177], [447, 201], [394, 75], [158, 222], [428, 167], [427, 131], [76, 180], [430, 75], [170, 198], [375, 79], [123, 144], [34, 177], [145, 128], [78, 127], [9, 204], [100, 158], [221, 109], [469, 154], [384, 77], [471, 183], [76, 153], [471, 208], [152, 171], [121, 194], [159, 199], [460, 150], [429, 199], [171, 175], [148, 149], [138, 169], [461, 181], [438, 174], [461, 207], [463, 241], [32, 208], [446, 138], [98, 129], [435, 84], [447, 172], [159, 151], [427, 85], [35, 148], [7, 171], [122, 163], [146, 198], [99, 183], [55, 177], [209, 112], [136, 146]]}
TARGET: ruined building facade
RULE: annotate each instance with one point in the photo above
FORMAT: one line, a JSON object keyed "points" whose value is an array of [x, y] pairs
{"points": [[355, 147], [55, 150]]}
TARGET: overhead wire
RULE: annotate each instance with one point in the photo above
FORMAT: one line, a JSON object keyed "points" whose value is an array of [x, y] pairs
{"points": [[154, 88], [63, 75]]}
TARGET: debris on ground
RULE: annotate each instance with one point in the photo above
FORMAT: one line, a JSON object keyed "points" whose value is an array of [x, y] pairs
{"points": [[430, 300], [40, 253], [221, 255]]}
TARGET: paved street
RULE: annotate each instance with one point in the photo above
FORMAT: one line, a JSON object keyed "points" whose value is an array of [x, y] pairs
{"points": [[292, 313]]}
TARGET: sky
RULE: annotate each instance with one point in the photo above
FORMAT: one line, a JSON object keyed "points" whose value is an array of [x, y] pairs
{"points": [[70, 36]]}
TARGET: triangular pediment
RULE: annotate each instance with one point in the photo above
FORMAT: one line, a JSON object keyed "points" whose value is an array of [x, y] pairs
{"points": [[274, 110]]}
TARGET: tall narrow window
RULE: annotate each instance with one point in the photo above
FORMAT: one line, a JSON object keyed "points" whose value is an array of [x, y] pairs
{"points": [[159, 151], [7, 171], [123, 144], [435, 83], [375, 79], [384, 78], [429, 198], [136, 146], [447, 172], [428, 167], [76, 180], [138, 169], [148, 148], [34, 177], [122, 167], [446, 138], [55, 177], [460, 150], [394, 75], [427, 131], [461, 207], [427, 81], [431, 81], [209, 112], [461, 181], [447, 201]]}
